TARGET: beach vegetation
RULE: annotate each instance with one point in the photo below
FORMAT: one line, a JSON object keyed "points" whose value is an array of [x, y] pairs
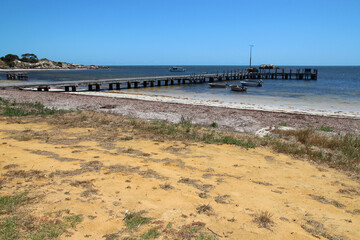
{"points": [[186, 122], [21, 109], [337, 151], [152, 233], [264, 219], [214, 125], [10, 203], [340, 151], [326, 129], [17, 222], [135, 220], [283, 124]]}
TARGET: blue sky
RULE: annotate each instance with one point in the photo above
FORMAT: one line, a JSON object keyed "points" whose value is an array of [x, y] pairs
{"points": [[187, 32]]}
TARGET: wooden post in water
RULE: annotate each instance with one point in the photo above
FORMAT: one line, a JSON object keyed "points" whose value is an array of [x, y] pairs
{"points": [[117, 86], [67, 88], [110, 86], [129, 84], [90, 87]]}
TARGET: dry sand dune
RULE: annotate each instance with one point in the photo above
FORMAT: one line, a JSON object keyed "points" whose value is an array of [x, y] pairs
{"points": [[185, 187]]}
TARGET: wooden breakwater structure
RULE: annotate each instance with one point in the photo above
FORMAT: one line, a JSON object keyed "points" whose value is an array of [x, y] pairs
{"points": [[17, 76], [157, 81]]}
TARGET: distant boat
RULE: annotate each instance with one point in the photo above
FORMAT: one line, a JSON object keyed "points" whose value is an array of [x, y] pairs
{"points": [[238, 88], [218, 85], [252, 83], [177, 69]]}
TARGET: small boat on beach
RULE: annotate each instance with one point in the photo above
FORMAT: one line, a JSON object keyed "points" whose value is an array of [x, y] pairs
{"points": [[218, 85], [177, 69], [238, 88], [252, 83]]}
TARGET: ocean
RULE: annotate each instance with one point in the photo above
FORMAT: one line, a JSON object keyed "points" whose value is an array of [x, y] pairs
{"points": [[337, 88]]}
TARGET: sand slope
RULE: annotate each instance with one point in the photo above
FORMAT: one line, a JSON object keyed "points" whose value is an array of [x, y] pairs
{"points": [[75, 169]]}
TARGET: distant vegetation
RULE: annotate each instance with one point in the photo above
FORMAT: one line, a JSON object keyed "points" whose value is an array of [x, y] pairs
{"points": [[31, 61], [10, 59]]}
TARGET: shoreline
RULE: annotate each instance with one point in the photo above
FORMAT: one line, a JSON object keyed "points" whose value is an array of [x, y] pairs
{"points": [[216, 103], [248, 121]]}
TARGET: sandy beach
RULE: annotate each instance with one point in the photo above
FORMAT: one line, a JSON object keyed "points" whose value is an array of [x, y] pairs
{"points": [[78, 167], [97, 169], [233, 117]]}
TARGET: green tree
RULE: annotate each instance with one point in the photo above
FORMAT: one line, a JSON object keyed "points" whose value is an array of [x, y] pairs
{"points": [[9, 59], [29, 57]]}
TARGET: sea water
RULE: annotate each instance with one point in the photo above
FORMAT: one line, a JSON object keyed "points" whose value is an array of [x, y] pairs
{"points": [[337, 87]]}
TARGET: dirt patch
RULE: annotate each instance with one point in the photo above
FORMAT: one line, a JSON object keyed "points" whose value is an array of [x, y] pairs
{"points": [[349, 191], [92, 166], [317, 229], [326, 201], [262, 183], [222, 199], [149, 173], [10, 166], [210, 175], [205, 209], [196, 184], [36, 174], [53, 155]]}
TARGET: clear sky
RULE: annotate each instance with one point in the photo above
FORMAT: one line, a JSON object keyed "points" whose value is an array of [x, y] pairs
{"points": [[183, 32]]}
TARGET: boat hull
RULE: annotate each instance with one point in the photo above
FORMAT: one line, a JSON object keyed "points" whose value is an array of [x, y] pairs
{"points": [[238, 88], [218, 85], [251, 84]]}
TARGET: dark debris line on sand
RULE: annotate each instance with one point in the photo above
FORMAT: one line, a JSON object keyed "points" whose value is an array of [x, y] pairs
{"points": [[248, 121]]}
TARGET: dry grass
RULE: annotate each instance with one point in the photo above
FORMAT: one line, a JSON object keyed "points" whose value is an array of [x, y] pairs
{"points": [[263, 219], [335, 150], [205, 209], [17, 222]]}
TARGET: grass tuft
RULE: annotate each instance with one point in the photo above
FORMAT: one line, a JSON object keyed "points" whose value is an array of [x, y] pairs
{"points": [[338, 151], [8, 204], [326, 129], [73, 220], [263, 219], [22, 109], [9, 229], [18, 223], [151, 234], [135, 220], [214, 125]]}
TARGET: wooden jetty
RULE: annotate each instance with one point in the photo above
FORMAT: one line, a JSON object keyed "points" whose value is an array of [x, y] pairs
{"points": [[17, 76], [136, 82]]}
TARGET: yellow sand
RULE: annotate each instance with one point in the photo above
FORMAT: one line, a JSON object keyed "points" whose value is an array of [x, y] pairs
{"points": [[255, 180]]}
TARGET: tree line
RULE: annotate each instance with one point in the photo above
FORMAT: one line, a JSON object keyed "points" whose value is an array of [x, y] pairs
{"points": [[9, 59]]}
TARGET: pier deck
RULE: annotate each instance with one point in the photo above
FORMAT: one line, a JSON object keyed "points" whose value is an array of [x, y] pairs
{"points": [[135, 82]]}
